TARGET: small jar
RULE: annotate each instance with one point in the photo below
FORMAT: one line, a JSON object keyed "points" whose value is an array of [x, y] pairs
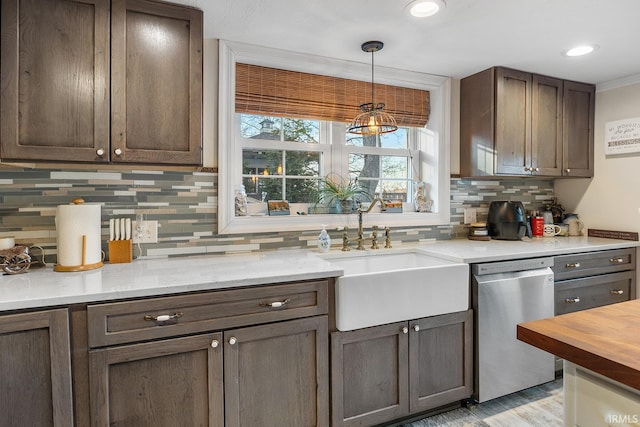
{"points": [[241, 201]]}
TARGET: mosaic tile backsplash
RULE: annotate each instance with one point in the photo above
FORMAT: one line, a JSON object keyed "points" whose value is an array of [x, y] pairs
{"points": [[185, 206]]}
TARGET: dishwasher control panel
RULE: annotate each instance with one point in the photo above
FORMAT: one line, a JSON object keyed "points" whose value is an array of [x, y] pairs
{"points": [[512, 265]]}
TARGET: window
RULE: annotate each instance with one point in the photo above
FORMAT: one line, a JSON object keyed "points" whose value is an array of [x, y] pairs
{"points": [[383, 163], [282, 157]]}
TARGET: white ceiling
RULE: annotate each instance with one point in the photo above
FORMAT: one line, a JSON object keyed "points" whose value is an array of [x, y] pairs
{"points": [[466, 37]]}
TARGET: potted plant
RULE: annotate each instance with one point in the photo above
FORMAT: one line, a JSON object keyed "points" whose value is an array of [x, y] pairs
{"points": [[342, 194]]}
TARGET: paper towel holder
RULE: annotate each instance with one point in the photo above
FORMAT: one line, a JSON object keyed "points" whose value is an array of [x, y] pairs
{"points": [[83, 265]]}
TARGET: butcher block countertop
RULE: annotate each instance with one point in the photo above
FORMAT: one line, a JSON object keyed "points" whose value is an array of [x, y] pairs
{"points": [[605, 340]]}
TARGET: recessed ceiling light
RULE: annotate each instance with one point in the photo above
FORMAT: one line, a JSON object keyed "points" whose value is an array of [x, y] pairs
{"points": [[580, 50], [424, 8]]}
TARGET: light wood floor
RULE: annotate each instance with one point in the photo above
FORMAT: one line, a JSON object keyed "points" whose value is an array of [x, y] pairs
{"points": [[539, 406]]}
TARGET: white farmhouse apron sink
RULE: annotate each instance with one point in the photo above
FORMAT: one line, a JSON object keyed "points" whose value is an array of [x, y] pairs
{"points": [[379, 288]]}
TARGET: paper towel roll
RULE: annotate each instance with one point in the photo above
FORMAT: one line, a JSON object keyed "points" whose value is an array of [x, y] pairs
{"points": [[74, 224]]}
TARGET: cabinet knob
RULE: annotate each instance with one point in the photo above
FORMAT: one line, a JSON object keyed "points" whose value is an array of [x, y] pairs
{"points": [[572, 300], [537, 169], [526, 169], [233, 340], [617, 292], [100, 152], [416, 328], [117, 151], [405, 330], [215, 344], [567, 170]]}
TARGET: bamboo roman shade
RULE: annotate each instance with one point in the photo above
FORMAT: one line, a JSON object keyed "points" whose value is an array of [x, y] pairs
{"points": [[275, 92]]}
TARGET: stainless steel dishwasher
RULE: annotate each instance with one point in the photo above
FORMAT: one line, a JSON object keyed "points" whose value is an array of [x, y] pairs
{"points": [[504, 294]]}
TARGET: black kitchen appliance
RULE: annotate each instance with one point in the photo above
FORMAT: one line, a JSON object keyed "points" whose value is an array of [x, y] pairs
{"points": [[507, 221]]}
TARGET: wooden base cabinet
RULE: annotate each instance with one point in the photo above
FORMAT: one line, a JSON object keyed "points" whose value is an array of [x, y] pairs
{"points": [[277, 375], [35, 370], [388, 372], [161, 383], [268, 375], [594, 279]]}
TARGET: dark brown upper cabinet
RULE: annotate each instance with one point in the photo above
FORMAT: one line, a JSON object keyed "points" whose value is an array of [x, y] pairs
{"points": [[100, 81], [514, 123]]}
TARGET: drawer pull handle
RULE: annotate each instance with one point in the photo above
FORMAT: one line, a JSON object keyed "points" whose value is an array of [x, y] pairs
{"points": [[617, 292], [616, 260], [163, 317], [572, 300], [275, 304], [574, 265]]}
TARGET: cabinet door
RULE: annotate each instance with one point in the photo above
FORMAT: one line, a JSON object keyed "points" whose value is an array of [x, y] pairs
{"points": [[546, 126], [176, 382], [578, 122], [54, 76], [369, 375], [440, 360], [35, 370], [156, 83], [513, 122], [277, 374]]}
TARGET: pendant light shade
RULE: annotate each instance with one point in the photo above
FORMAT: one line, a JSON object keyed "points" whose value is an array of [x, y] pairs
{"points": [[373, 120]]}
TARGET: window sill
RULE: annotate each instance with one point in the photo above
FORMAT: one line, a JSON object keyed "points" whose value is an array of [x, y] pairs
{"points": [[279, 223]]}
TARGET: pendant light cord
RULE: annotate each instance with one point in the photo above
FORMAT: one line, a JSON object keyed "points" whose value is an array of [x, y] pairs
{"points": [[372, 81]]}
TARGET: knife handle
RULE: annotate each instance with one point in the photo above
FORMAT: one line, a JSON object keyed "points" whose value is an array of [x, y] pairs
{"points": [[127, 229], [111, 230]]}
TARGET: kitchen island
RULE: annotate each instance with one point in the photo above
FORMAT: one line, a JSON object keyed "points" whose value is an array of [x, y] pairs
{"points": [[600, 347]]}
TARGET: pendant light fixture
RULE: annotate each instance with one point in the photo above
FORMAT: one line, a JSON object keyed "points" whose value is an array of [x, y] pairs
{"points": [[373, 120]]}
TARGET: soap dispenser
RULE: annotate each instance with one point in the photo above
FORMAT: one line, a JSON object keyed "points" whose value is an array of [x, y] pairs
{"points": [[324, 241]]}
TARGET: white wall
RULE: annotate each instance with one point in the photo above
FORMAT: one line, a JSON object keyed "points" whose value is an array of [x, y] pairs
{"points": [[611, 199]]}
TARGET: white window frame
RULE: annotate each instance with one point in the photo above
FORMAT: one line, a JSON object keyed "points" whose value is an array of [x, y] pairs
{"points": [[436, 137]]}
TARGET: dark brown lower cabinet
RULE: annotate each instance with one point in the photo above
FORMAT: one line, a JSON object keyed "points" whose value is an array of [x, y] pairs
{"points": [[35, 370], [277, 375], [387, 372], [267, 375], [160, 383]]}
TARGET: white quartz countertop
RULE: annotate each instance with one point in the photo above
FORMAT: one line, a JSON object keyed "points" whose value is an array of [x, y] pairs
{"points": [[43, 287], [148, 277], [475, 251]]}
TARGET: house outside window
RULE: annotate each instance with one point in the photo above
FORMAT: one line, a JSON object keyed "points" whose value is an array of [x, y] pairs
{"points": [[281, 157]]}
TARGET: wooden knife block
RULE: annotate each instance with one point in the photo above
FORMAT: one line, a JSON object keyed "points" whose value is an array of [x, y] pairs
{"points": [[120, 251]]}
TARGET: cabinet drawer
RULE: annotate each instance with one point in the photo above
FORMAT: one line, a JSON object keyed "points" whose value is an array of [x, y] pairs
{"points": [[592, 263], [589, 292], [146, 319]]}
